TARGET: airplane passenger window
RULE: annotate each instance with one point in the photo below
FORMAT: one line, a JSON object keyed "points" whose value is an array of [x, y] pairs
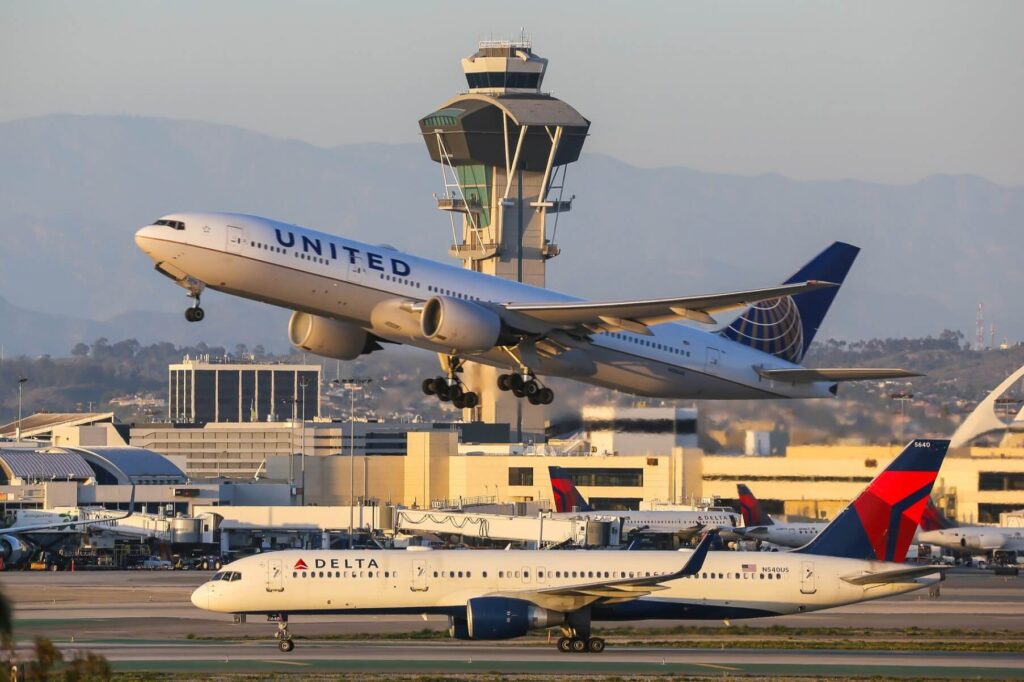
{"points": [[469, 574], [295, 574], [485, 574], [501, 574]]}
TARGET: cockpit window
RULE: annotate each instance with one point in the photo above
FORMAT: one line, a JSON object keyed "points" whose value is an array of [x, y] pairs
{"points": [[176, 224], [218, 575], [234, 575]]}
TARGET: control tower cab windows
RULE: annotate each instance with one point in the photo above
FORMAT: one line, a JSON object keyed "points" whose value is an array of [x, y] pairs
{"points": [[176, 224], [503, 79]]}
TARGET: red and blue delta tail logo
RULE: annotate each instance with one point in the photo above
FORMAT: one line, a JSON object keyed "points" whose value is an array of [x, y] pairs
{"points": [[934, 519], [880, 524], [300, 565], [564, 491], [750, 508]]}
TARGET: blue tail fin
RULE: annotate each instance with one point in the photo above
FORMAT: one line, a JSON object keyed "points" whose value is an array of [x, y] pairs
{"points": [[786, 326], [567, 497], [881, 522]]}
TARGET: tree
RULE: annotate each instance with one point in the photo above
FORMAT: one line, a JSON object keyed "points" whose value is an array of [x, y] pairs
{"points": [[80, 350]]}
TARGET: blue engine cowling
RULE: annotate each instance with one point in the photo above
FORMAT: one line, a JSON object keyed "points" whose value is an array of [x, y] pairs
{"points": [[502, 618], [14, 550]]}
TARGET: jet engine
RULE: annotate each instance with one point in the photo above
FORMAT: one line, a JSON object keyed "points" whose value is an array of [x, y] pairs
{"points": [[328, 338], [983, 541], [502, 618], [14, 550], [460, 325]]}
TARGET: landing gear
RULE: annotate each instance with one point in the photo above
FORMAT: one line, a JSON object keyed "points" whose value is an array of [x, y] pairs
{"points": [[450, 388], [283, 637], [195, 290], [580, 645], [526, 386]]}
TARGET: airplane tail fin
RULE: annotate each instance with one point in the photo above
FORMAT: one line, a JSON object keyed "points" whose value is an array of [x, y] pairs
{"points": [[753, 514], [934, 519], [786, 326], [881, 522], [566, 496]]}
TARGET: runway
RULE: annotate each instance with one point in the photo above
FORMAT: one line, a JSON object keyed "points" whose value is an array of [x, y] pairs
{"points": [[144, 621]]}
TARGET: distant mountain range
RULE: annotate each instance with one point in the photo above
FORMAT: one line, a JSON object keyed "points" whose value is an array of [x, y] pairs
{"points": [[73, 189]]}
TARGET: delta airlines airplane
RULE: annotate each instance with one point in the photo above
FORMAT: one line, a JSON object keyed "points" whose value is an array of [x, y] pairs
{"points": [[687, 524], [759, 525], [504, 594], [348, 297], [983, 540]]}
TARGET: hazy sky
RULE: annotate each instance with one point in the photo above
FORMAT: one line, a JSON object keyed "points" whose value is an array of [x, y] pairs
{"points": [[888, 91]]}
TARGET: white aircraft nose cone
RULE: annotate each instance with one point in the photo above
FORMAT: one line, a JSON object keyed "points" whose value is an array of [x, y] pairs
{"points": [[201, 597], [144, 238]]}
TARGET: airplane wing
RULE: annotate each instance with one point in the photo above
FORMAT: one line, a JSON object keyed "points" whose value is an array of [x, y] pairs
{"points": [[802, 376], [899, 575], [572, 597], [635, 316]]}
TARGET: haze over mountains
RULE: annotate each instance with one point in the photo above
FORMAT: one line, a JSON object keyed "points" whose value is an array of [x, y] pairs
{"points": [[73, 190]]}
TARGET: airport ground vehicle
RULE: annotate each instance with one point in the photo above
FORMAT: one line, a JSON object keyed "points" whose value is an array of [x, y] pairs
{"points": [[492, 594], [155, 563]]}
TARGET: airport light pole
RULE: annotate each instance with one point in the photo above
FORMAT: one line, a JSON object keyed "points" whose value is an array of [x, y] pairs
{"points": [[303, 382], [352, 385], [17, 430]]}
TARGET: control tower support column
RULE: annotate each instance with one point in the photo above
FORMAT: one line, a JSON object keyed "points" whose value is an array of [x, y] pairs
{"points": [[504, 147]]}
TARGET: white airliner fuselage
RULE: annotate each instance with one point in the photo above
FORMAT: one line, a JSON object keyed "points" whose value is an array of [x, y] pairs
{"points": [[383, 291], [729, 584], [975, 539]]}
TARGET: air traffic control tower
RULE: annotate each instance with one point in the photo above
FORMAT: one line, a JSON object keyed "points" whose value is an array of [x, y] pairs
{"points": [[504, 147]]}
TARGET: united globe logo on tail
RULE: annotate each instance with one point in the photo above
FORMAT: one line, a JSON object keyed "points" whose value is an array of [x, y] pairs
{"points": [[881, 522]]}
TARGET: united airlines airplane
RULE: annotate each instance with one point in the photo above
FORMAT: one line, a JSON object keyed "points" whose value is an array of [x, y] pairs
{"points": [[348, 297], [504, 594]]}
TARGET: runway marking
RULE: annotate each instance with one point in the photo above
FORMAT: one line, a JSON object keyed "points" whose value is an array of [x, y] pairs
{"points": [[719, 667], [275, 660]]}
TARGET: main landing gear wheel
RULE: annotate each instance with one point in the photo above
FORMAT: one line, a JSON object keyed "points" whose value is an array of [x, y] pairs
{"points": [[450, 389], [595, 645], [526, 387], [286, 645], [194, 314], [563, 645], [577, 645]]}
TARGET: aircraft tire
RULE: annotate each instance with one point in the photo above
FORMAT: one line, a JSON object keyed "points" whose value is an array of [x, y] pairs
{"points": [[534, 398], [546, 396], [531, 387], [471, 399], [459, 402], [564, 645], [286, 645], [199, 314], [595, 645], [454, 392], [515, 382], [503, 382], [190, 314], [518, 392], [428, 386], [577, 645]]}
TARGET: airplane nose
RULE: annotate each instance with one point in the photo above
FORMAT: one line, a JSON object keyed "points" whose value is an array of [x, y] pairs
{"points": [[201, 596], [144, 238]]}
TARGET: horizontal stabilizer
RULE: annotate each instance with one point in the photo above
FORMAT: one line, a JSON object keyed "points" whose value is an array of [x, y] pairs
{"points": [[899, 575], [806, 376]]}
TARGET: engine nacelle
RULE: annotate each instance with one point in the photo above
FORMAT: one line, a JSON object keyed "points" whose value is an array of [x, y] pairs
{"points": [[14, 550], [460, 325], [328, 338], [504, 618], [983, 541]]}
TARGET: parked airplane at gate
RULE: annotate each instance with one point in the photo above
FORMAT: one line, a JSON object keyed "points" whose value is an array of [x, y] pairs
{"points": [[503, 594], [972, 539], [759, 525], [348, 297], [687, 524]]}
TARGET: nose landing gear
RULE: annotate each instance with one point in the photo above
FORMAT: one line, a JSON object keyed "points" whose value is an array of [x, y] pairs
{"points": [[283, 637], [195, 290]]}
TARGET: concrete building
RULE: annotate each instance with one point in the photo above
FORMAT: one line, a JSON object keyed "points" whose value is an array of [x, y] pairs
{"points": [[504, 147], [639, 430], [206, 390]]}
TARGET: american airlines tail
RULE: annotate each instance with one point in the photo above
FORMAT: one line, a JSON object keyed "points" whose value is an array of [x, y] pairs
{"points": [[567, 497], [786, 326], [750, 507], [880, 524]]}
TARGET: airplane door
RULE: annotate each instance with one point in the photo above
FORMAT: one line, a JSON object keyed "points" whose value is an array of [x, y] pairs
{"points": [[711, 359], [275, 576], [419, 576], [236, 238], [807, 578]]}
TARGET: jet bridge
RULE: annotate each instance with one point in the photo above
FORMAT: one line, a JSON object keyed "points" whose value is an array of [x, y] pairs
{"points": [[540, 531]]}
